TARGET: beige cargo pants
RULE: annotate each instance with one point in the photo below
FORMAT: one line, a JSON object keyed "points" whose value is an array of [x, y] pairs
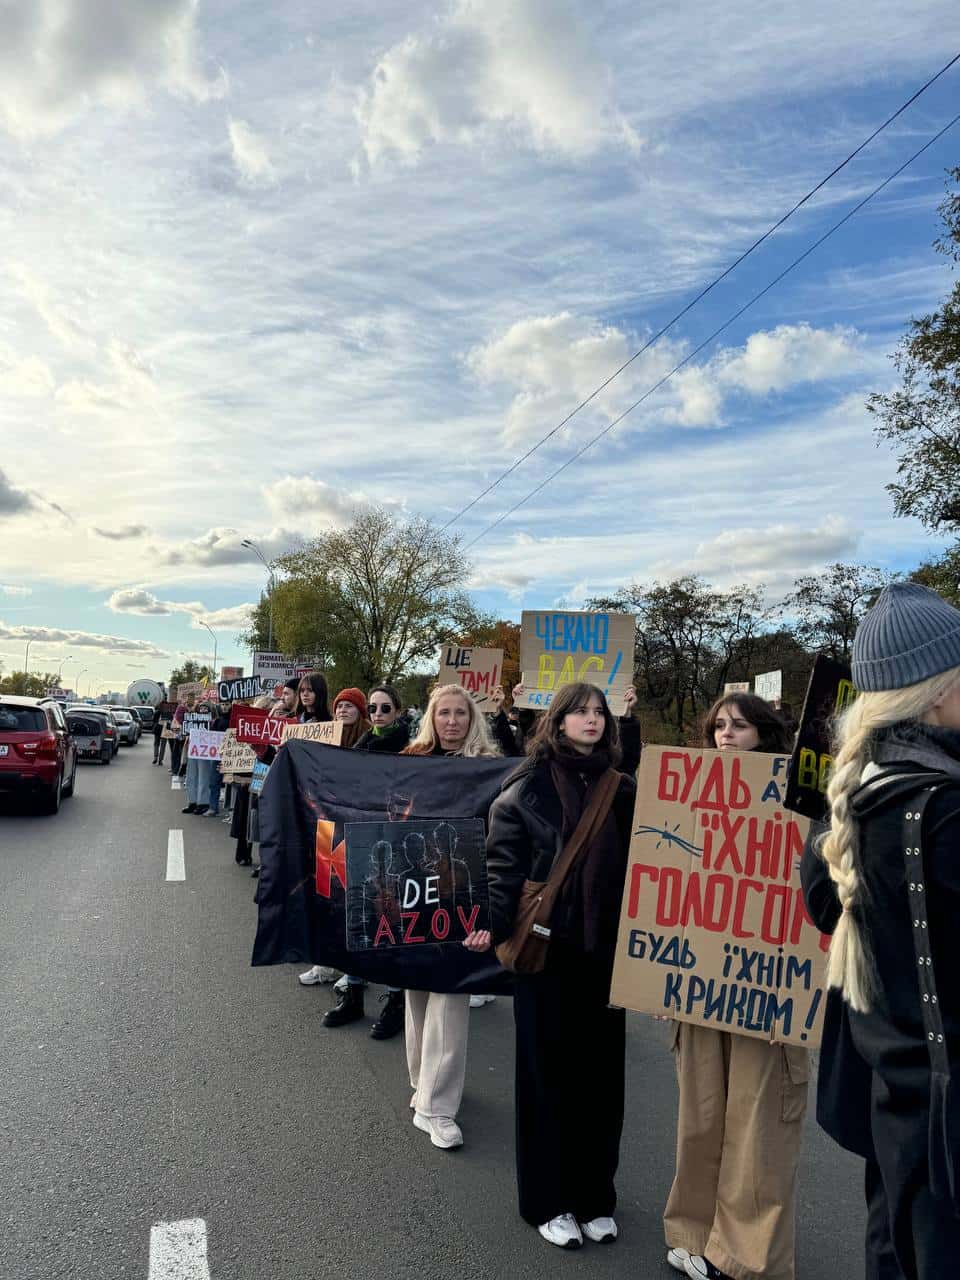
{"points": [[739, 1130]]}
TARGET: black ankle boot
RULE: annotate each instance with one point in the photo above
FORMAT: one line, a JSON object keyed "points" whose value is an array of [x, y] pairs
{"points": [[390, 1022], [191, 808], [349, 1007]]}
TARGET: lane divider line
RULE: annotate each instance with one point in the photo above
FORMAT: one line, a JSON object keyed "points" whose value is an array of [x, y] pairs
{"points": [[178, 1250], [176, 869]]}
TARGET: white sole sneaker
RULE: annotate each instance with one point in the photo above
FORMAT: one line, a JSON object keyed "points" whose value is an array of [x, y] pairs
{"points": [[677, 1258], [562, 1231], [600, 1230], [477, 1002], [445, 1141]]}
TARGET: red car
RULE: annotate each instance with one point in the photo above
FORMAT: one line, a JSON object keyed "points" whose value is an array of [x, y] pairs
{"points": [[37, 755]]}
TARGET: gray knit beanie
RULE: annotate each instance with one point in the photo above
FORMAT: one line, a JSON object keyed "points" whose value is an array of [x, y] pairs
{"points": [[909, 635]]}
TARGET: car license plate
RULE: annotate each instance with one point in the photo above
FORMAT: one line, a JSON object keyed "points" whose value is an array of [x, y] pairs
{"points": [[3, 748]]}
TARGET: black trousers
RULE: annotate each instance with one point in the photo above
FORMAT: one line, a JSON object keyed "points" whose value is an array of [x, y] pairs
{"points": [[881, 1261], [176, 751], [569, 1088], [159, 748]]}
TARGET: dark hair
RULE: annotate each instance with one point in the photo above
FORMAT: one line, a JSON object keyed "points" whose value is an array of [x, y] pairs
{"points": [[547, 741], [774, 737], [321, 710], [391, 693]]}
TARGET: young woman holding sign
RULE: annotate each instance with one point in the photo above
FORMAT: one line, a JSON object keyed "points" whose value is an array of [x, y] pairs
{"points": [[730, 1213], [567, 804], [437, 1023]]}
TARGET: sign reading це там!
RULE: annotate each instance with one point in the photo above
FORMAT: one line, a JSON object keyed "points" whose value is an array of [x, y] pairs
{"points": [[713, 927], [558, 648]]}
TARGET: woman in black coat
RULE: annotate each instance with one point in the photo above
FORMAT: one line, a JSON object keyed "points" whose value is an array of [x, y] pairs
{"points": [[568, 1138], [892, 854]]}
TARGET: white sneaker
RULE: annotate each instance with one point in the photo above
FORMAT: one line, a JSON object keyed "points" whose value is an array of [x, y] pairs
{"points": [[477, 1002], [677, 1258], [600, 1230], [443, 1130], [319, 973], [562, 1231]]}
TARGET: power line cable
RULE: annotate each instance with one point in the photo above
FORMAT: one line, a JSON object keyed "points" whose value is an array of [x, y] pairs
{"points": [[701, 295], [716, 333]]}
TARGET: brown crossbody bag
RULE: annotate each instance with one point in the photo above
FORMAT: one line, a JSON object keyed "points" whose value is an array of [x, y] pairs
{"points": [[525, 951]]}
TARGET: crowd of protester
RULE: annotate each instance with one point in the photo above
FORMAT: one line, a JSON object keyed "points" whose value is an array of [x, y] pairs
{"points": [[882, 876]]}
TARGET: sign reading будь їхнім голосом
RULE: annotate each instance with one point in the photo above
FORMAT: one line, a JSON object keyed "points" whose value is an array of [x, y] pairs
{"points": [[558, 648], [713, 927]]}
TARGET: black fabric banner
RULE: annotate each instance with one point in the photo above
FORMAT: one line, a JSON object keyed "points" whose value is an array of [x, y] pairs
{"points": [[312, 791]]}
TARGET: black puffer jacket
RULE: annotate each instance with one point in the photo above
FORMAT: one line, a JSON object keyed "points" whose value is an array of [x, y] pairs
{"points": [[525, 837]]}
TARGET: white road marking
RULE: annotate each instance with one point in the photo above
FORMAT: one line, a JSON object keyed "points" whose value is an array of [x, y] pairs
{"points": [[178, 1250], [176, 869]]}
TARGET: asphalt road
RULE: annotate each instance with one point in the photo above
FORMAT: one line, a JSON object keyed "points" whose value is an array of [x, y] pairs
{"points": [[150, 1075]]}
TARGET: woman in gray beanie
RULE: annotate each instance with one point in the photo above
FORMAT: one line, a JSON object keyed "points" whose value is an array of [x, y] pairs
{"points": [[893, 854]]}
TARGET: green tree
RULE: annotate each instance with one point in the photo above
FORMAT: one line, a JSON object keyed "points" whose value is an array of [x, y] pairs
{"points": [[372, 601], [942, 574], [29, 684], [188, 673], [921, 418], [827, 608]]}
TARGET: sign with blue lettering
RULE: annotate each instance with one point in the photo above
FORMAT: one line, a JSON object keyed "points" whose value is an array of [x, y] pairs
{"points": [[713, 927], [558, 647]]}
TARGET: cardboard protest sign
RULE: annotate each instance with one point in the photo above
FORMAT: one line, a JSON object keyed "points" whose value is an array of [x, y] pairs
{"points": [[830, 690], [737, 686], [236, 757], [256, 726], [196, 720], [409, 883], [189, 690], [235, 690], [477, 671], [769, 686], [328, 731], [713, 926], [260, 771], [231, 673], [275, 668], [558, 648], [205, 744]]}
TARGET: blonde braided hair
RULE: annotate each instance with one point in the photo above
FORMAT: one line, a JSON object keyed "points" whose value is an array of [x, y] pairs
{"points": [[847, 966]]}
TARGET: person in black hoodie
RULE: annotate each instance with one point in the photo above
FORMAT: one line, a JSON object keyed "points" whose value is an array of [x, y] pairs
{"points": [[389, 733], [891, 852], [567, 1145]]}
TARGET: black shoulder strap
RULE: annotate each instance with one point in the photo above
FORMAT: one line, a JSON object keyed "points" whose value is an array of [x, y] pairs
{"points": [[917, 890]]}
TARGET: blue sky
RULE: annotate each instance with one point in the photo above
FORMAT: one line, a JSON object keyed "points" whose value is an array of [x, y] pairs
{"points": [[262, 264]]}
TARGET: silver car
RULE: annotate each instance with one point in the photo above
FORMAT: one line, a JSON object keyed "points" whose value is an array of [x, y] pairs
{"points": [[128, 726]]}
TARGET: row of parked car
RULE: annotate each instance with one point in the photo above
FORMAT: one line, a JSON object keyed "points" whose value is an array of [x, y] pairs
{"points": [[43, 739]]}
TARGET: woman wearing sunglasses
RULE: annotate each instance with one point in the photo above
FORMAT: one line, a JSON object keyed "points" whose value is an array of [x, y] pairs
{"points": [[389, 733]]}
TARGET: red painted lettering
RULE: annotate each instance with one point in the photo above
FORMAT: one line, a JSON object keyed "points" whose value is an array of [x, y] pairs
{"points": [[740, 909], [440, 924], [468, 923], [329, 859], [410, 919], [716, 914], [637, 874], [777, 899], [384, 931]]}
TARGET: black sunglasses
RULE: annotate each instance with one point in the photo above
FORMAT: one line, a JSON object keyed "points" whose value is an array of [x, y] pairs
{"points": [[374, 707]]}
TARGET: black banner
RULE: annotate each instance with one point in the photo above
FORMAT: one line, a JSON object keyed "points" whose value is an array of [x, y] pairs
{"points": [[830, 690], [411, 883], [236, 690], [311, 794]]}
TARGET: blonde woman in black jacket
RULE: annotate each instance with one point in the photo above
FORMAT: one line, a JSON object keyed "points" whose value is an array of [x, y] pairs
{"points": [[567, 1148]]}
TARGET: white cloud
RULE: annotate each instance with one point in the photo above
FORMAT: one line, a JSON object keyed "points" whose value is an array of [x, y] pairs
{"points": [[14, 501], [250, 155], [324, 505], [234, 618], [144, 603], [789, 355], [30, 376], [15, 591], [58, 57], [223, 546], [80, 639], [749, 551], [123, 534], [526, 67]]}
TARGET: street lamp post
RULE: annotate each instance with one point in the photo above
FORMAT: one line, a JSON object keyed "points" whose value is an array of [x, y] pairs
{"points": [[26, 657], [60, 668], [82, 671], [210, 629], [252, 546]]}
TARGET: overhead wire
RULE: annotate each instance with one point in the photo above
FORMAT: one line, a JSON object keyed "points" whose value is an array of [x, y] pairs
{"points": [[715, 334], [701, 295]]}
